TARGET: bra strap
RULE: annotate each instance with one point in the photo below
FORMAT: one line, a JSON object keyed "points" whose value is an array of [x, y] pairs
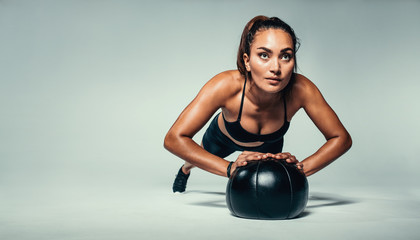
{"points": [[242, 101]]}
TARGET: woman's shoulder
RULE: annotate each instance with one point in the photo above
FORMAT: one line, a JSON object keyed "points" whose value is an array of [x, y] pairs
{"points": [[227, 83], [303, 85], [305, 92], [304, 89], [302, 82]]}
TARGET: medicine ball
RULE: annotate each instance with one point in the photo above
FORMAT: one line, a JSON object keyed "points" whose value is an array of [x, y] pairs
{"points": [[267, 189]]}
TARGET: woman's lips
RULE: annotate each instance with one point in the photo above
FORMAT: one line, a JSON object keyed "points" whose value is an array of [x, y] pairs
{"points": [[273, 80]]}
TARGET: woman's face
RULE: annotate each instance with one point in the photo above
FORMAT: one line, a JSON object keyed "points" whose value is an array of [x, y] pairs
{"points": [[271, 60]]}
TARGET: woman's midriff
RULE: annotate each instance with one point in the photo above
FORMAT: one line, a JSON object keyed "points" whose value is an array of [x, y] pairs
{"points": [[222, 127]]}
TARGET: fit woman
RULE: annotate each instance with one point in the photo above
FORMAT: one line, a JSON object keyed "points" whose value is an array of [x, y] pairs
{"points": [[257, 102]]}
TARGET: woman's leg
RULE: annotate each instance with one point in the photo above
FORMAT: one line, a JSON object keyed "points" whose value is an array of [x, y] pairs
{"points": [[186, 168]]}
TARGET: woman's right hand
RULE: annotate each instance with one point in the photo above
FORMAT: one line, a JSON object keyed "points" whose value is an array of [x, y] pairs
{"points": [[247, 156]]}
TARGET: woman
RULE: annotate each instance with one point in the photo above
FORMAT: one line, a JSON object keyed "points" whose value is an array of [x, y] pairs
{"points": [[257, 102]]}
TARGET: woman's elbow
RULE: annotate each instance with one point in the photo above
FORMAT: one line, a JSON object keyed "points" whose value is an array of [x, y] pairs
{"points": [[348, 142], [169, 140], [173, 140]]}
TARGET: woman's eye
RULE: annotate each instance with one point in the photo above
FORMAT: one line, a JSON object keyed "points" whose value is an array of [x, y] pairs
{"points": [[264, 55], [286, 57]]}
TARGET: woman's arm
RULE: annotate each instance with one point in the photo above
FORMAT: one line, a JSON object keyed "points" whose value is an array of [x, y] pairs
{"points": [[211, 97], [323, 116]]}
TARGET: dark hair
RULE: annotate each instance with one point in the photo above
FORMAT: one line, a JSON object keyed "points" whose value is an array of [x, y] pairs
{"points": [[264, 23]]}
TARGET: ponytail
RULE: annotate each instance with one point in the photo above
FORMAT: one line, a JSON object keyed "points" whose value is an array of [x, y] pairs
{"points": [[244, 45]]}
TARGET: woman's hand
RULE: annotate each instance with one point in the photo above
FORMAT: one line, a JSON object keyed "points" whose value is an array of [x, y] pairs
{"points": [[289, 159], [247, 156]]}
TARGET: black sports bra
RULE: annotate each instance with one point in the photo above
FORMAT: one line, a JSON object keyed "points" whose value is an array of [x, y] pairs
{"points": [[236, 131]]}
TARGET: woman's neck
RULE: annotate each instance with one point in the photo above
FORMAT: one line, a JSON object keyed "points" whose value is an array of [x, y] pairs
{"points": [[260, 98]]}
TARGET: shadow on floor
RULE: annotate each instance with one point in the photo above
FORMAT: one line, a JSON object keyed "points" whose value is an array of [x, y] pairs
{"points": [[220, 203], [206, 192], [324, 200], [315, 200]]}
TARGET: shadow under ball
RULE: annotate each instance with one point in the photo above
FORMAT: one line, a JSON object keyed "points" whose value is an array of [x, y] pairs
{"points": [[267, 189]]}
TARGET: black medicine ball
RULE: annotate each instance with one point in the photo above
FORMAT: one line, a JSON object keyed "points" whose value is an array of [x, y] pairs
{"points": [[267, 189]]}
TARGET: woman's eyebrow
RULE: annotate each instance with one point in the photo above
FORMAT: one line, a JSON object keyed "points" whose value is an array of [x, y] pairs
{"points": [[265, 49], [286, 49], [270, 51]]}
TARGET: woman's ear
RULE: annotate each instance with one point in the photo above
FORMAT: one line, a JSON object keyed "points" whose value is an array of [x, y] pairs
{"points": [[246, 61]]}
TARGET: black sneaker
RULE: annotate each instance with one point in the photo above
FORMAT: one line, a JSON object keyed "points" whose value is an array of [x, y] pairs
{"points": [[180, 182]]}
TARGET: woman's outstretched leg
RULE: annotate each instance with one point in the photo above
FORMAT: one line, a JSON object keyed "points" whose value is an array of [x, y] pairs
{"points": [[181, 178]]}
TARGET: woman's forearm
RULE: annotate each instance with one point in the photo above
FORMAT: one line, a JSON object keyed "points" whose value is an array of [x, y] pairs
{"points": [[330, 151], [185, 148]]}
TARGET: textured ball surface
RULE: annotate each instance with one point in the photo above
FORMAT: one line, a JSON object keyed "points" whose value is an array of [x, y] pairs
{"points": [[267, 189]]}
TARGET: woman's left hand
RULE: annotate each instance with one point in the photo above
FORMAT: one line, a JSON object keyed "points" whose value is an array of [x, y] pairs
{"points": [[288, 157]]}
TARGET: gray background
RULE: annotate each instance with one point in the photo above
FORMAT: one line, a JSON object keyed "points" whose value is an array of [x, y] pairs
{"points": [[88, 90]]}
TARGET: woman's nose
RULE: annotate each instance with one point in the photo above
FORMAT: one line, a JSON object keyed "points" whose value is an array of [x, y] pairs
{"points": [[275, 66]]}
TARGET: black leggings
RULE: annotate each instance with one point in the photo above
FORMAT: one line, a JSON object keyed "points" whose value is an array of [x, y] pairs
{"points": [[215, 142]]}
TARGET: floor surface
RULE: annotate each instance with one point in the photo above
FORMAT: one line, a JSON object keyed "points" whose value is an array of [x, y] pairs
{"points": [[116, 212]]}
